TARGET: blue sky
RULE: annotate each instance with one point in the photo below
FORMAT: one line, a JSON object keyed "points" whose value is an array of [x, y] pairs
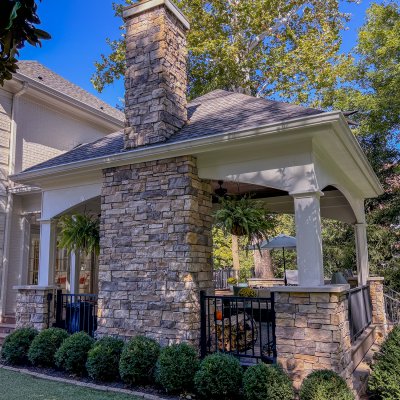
{"points": [[79, 29]]}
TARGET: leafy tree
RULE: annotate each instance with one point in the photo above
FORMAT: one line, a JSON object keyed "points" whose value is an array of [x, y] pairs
{"points": [[264, 47], [369, 87], [17, 26]]}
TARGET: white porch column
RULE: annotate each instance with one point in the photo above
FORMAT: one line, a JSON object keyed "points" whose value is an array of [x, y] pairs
{"points": [[362, 253], [47, 252], [309, 240], [74, 273]]}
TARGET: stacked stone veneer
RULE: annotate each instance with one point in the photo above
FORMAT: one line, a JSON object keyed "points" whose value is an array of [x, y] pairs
{"points": [[32, 307], [155, 250], [378, 308], [312, 333], [155, 80]]}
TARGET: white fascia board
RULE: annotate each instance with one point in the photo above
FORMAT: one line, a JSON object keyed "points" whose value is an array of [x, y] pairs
{"points": [[344, 133], [43, 89], [190, 146], [281, 131]]}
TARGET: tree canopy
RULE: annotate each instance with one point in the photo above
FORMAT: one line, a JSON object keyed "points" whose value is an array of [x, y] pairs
{"points": [[285, 48], [17, 26]]}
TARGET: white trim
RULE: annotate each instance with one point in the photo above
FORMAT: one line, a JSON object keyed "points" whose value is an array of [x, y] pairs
{"points": [[139, 8], [211, 143]]}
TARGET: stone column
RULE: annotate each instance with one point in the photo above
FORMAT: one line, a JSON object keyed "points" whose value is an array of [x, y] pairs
{"points": [[33, 307], [312, 331], [48, 231], [156, 250], [362, 253], [309, 239], [378, 307]]}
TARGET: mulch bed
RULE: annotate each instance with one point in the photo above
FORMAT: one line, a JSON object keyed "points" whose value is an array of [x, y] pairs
{"points": [[137, 390]]}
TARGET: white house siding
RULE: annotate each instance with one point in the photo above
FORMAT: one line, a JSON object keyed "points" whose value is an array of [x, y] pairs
{"points": [[5, 126], [45, 132]]}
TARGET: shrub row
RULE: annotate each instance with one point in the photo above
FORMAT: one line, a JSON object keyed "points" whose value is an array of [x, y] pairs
{"points": [[175, 368], [384, 382]]}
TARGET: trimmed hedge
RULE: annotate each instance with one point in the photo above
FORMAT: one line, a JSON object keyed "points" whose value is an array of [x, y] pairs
{"points": [[72, 355], [267, 382], [45, 346], [219, 377], [103, 359], [16, 346], [138, 360], [176, 367], [325, 385], [384, 382]]}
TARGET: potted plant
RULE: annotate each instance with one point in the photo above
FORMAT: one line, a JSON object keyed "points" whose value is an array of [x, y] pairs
{"points": [[79, 232], [231, 282], [242, 216]]}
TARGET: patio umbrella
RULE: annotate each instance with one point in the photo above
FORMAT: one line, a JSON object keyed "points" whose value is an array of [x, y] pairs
{"points": [[280, 242]]}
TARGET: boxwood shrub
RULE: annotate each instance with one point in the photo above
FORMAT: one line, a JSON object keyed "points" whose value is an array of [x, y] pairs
{"points": [[103, 359], [384, 382], [264, 381], [45, 345], [176, 367], [16, 346], [219, 377], [138, 360], [325, 385], [72, 355]]}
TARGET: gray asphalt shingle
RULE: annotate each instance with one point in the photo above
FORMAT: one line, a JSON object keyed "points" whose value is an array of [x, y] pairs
{"points": [[217, 112], [41, 74]]}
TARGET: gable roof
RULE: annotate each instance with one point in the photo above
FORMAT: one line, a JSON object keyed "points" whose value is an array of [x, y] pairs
{"points": [[44, 76], [217, 112]]}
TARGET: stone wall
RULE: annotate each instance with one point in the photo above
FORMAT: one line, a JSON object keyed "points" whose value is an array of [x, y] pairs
{"points": [[32, 307], [155, 80], [155, 250], [378, 308], [312, 332]]}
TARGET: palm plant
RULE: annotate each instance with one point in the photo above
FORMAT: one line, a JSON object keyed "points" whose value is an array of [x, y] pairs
{"points": [[79, 232], [242, 216]]}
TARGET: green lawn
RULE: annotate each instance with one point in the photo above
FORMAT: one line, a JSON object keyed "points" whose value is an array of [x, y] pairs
{"points": [[17, 386]]}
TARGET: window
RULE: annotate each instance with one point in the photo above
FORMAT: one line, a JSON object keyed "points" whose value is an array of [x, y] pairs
{"points": [[33, 268]]}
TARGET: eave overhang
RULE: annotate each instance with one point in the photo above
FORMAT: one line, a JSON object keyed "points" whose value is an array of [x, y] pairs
{"points": [[277, 132]]}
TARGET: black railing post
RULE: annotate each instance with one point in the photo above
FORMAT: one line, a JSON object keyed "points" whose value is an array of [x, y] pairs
{"points": [[203, 325], [59, 308], [273, 322], [49, 299]]}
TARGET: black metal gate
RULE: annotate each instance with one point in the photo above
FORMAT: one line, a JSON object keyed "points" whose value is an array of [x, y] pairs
{"points": [[76, 312], [360, 311], [241, 326]]}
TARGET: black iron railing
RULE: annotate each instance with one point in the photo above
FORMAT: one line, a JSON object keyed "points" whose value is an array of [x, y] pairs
{"points": [[241, 326], [221, 277], [360, 311], [392, 305], [76, 312]]}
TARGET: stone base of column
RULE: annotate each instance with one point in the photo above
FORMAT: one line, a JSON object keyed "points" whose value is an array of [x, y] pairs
{"points": [[34, 308], [312, 331], [378, 308]]}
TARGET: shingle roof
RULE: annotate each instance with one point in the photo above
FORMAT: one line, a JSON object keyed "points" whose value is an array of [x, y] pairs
{"points": [[216, 112], [41, 74]]}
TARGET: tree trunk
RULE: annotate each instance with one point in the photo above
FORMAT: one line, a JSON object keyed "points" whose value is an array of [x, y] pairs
{"points": [[235, 255], [263, 267]]}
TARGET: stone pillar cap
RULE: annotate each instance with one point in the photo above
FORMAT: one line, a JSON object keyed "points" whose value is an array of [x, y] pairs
{"points": [[314, 289], [145, 5]]}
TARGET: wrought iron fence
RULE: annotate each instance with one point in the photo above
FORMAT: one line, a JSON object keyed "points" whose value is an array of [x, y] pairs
{"points": [[360, 311], [221, 277], [76, 312], [241, 326], [392, 305]]}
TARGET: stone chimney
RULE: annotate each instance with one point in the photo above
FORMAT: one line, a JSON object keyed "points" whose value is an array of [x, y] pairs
{"points": [[156, 76]]}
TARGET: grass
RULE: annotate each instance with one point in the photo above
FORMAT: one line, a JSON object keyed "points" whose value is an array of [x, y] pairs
{"points": [[17, 386]]}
